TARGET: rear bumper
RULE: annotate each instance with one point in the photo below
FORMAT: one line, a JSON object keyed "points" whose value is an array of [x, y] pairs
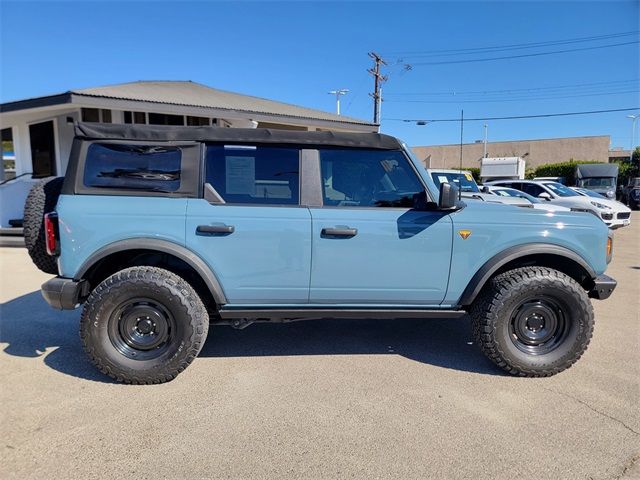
{"points": [[603, 287], [64, 293]]}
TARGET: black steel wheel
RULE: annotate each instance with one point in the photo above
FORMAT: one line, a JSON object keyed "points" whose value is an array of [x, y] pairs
{"points": [[533, 321], [143, 325]]}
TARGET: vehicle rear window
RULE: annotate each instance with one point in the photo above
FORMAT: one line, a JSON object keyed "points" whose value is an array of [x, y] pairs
{"points": [[133, 167], [254, 174]]}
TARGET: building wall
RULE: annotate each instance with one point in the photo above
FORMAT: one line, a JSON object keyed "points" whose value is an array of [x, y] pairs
{"points": [[535, 152]]}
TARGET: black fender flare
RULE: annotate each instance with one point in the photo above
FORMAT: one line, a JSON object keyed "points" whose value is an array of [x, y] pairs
{"points": [[164, 246], [513, 253]]}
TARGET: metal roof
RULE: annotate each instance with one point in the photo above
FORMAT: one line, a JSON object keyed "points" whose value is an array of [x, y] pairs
{"points": [[185, 93]]}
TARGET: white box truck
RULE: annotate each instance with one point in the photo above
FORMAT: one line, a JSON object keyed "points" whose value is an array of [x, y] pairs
{"points": [[502, 168]]}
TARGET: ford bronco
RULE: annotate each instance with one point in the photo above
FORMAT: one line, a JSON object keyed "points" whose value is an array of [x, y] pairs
{"points": [[162, 231]]}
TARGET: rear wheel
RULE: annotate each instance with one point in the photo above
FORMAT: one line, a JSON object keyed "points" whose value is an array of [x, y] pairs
{"points": [[143, 325], [533, 321]]}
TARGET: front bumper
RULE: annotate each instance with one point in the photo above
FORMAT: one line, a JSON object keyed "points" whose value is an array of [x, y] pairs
{"points": [[64, 293], [603, 287]]}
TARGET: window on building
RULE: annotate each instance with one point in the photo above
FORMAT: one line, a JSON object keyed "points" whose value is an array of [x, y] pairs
{"points": [[8, 155], [43, 149], [197, 121], [96, 115], [135, 167], [90, 115], [135, 117], [367, 178], [106, 115], [165, 119], [254, 175]]}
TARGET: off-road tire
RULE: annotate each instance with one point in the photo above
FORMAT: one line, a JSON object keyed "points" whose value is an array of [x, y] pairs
{"points": [[102, 338], [495, 312], [42, 199]]}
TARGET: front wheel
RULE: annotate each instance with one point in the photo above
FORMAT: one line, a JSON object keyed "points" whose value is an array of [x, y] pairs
{"points": [[143, 325], [533, 321]]}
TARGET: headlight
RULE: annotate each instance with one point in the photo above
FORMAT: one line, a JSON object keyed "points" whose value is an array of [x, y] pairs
{"points": [[600, 206], [611, 194]]}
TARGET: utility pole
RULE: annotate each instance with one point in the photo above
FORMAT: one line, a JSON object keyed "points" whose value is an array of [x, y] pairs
{"points": [[337, 93], [634, 119], [378, 78], [484, 155]]}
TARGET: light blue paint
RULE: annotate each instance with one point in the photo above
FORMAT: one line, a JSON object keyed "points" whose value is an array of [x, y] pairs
{"points": [[91, 222], [399, 256], [267, 259]]}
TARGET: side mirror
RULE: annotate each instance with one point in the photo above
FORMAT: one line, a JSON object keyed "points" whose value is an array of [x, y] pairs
{"points": [[448, 196], [545, 196]]}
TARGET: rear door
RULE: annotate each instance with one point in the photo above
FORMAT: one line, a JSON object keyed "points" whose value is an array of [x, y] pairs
{"points": [[250, 229], [369, 245]]}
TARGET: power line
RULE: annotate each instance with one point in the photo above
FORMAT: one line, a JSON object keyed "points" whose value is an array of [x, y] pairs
{"points": [[517, 99], [515, 117], [513, 46], [537, 54], [608, 83]]}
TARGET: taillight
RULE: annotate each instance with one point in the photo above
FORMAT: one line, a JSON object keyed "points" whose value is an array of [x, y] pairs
{"points": [[51, 233]]}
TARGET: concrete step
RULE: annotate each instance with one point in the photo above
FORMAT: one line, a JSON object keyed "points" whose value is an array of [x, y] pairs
{"points": [[11, 231], [12, 241]]}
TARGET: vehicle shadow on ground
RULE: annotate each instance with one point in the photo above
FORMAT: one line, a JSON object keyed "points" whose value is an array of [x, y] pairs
{"points": [[30, 328]]}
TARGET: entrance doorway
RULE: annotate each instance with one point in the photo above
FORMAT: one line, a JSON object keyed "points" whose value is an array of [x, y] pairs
{"points": [[43, 149]]}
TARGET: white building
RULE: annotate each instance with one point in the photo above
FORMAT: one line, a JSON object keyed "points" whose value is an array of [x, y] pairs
{"points": [[37, 132]]}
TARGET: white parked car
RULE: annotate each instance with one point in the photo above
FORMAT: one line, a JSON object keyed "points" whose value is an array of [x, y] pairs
{"points": [[469, 188], [621, 213], [539, 204], [558, 194]]}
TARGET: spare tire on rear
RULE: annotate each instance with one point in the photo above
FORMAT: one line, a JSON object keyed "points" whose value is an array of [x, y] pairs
{"points": [[41, 199]]}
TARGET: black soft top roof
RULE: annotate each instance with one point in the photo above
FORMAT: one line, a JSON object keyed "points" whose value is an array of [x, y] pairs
{"points": [[163, 133]]}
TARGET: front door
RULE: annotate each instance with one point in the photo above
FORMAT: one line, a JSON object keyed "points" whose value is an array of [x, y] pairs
{"points": [[43, 149], [369, 245], [252, 231]]}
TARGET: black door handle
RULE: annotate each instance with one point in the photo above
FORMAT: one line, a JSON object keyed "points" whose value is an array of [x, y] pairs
{"points": [[339, 232], [214, 229]]}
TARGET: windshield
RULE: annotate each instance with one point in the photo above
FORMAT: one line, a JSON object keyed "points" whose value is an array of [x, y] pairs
{"points": [[512, 192], [589, 193], [595, 182], [560, 190], [464, 181]]}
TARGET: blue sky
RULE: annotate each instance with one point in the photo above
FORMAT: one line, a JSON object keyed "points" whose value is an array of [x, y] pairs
{"points": [[298, 51]]}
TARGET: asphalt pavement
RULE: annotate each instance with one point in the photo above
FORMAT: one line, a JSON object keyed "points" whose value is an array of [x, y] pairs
{"points": [[403, 399]]}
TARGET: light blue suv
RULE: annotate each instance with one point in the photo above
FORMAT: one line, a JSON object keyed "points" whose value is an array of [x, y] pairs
{"points": [[162, 231]]}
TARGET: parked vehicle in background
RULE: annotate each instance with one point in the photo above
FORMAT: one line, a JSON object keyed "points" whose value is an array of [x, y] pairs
{"points": [[160, 231], [502, 168], [599, 177], [631, 193], [469, 189], [621, 213], [561, 180], [562, 195], [512, 192]]}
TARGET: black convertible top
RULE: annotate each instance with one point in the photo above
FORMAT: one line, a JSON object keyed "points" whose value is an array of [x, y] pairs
{"points": [[163, 133]]}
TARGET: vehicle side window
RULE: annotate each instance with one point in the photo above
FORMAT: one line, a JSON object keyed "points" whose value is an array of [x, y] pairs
{"points": [[135, 167], [532, 189], [254, 174], [367, 178]]}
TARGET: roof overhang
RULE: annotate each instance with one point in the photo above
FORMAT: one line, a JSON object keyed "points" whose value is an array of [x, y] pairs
{"points": [[83, 100]]}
